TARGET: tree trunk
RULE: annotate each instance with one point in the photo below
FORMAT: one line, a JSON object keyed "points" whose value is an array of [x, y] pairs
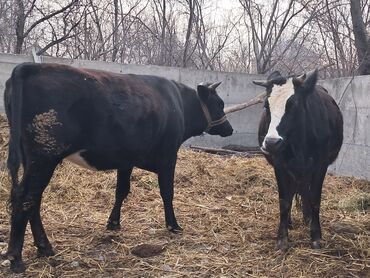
{"points": [[163, 35], [20, 23], [115, 31], [362, 42], [188, 32]]}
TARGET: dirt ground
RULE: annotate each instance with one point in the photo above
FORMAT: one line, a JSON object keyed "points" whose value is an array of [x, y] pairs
{"points": [[227, 206]]}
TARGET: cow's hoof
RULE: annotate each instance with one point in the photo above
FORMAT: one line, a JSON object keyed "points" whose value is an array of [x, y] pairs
{"points": [[174, 230], [113, 226], [45, 252], [316, 244], [282, 244], [17, 266]]}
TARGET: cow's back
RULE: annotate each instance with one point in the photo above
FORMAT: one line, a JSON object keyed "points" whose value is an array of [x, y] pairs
{"points": [[66, 110]]}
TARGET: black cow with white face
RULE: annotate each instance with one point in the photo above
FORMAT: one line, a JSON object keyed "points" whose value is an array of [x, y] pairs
{"points": [[101, 121], [300, 134]]}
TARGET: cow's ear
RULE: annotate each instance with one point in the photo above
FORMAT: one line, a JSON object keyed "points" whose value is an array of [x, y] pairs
{"points": [[204, 91], [310, 81], [306, 83]]}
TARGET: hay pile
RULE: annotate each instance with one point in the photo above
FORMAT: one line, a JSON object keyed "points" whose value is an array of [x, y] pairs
{"points": [[227, 207]]}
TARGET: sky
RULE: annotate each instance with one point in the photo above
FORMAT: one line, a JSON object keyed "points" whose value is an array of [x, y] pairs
{"points": [[223, 8]]}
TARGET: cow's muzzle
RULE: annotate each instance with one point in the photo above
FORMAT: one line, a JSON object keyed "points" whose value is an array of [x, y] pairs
{"points": [[222, 129], [272, 145], [213, 123]]}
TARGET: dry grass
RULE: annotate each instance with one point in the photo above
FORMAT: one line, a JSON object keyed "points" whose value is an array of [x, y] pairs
{"points": [[227, 207]]}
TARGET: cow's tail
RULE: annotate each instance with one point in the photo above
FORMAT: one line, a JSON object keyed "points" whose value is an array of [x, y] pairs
{"points": [[16, 99]]}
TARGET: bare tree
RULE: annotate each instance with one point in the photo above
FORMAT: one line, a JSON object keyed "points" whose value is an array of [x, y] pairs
{"points": [[6, 22], [260, 36], [362, 40], [70, 20], [191, 8], [24, 12], [335, 40], [275, 26], [115, 29]]}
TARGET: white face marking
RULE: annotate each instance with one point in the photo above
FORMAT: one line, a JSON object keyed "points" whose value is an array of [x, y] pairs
{"points": [[76, 158], [277, 101]]}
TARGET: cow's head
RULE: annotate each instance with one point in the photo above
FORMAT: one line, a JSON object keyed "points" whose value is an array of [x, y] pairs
{"points": [[285, 109], [213, 109]]}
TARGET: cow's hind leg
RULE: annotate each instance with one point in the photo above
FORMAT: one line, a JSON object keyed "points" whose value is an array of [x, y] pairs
{"points": [[303, 204], [290, 222], [165, 178], [299, 206], [306, 211], [41, 241], [122, 190], [25, 204], [315, 196]]}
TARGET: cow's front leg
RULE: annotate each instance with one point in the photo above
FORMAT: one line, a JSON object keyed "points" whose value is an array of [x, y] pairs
{"points": [[165, 179], [282, 235], [122, 190], [315, 195], [286, 193]]}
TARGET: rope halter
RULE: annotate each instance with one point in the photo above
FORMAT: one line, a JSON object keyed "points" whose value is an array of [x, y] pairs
{"points": [[211, 123]]}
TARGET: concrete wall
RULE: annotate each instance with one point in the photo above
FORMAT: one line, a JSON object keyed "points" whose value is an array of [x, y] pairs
{"points": [[353, 98], [235, 88], [352, 95]]}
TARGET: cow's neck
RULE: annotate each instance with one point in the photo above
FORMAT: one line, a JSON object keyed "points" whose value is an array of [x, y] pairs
{"points": [[195, 121], [301, 142]]}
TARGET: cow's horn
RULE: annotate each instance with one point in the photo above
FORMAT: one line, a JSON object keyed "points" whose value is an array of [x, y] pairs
{"points": [[214, 85], [263, 83], [299, 79], [302, 77]]}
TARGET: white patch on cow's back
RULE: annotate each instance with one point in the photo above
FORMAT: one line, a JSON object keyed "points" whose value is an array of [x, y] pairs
{"points": [[76, 158], [277, 101]]}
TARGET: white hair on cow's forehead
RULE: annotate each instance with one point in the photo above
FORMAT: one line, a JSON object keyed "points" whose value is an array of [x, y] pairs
{"points": [[277, 100]]}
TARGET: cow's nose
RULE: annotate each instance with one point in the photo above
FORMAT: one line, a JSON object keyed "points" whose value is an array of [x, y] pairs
{"points": [[273, 144], [227, 132]]}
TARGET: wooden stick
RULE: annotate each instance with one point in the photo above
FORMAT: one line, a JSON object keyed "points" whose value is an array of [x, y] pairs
{"points": [[251, 102], [224, 152]]}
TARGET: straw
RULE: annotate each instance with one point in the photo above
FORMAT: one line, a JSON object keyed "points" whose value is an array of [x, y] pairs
{"points": [[227, 206]]}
